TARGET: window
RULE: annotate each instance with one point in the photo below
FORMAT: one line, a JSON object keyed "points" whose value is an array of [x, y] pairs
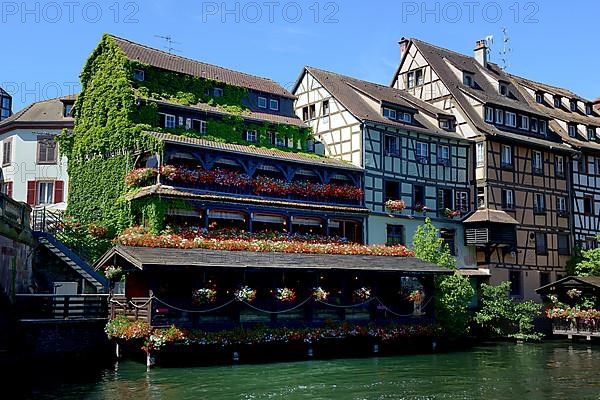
{"points": [[582, 164], [280, 141], [45, 193], [67, 110], [418, 195], [543, 127], [516, 283], [572, 130], [419, 77], [449, 238], [537, 163], [462, 201], [305, 113], [544, 278], [200, 126], [557, 102], [539, 203], [499, 117], [251, 136], [539, 98], [168, 120], [391, 145], [310, 145], [392, 190], [262, 102], [480, 197], [511, 119], [591, 243], [588, 205], [4, 113], [406, 117], [444, 155], [46, 150], [217, 92], [325, 107], [139, 75], [480, 154], [389, 113], [395, 235], [445, 199], [541, 244], [7, 152], [312, 111], [561, 206], [410, 80], [508, 199], [588, 109], [506, 156], [559, 166], [6, 102], [591, 133], [573, 105], [422, 152], [524, 122], [503, 89], [445, 124], [468, 79], [564, 247], [534, 124], [489, 114], [274, 105]]}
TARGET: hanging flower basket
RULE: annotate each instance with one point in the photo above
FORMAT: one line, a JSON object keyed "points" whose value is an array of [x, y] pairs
{"points": [[364, 293], [415, 296], [319, 294], [395, 205], [204, 296], [113, 273], [573, 293], [286, 294], [245, 294]]}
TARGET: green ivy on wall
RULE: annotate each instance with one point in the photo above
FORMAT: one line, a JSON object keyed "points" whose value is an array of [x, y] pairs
{"points": [[152, 211]]}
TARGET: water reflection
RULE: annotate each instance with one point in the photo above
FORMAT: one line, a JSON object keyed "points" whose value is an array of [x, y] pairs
{"points": [[506, 371]]}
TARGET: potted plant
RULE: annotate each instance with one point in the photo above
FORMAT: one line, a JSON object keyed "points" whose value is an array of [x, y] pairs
{"points": [[319, 294], [286, 294], [420, 208], [395, 205], [448, 213], [204, 296], [245, 294]]}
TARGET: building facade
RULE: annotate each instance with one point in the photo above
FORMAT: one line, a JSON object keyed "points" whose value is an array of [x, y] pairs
{"points": [[522, 226], [33, 171], [415, 164], [5, 104]]}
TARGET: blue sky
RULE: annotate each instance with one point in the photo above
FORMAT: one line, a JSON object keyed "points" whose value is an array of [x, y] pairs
{"points": [[45, 44]]}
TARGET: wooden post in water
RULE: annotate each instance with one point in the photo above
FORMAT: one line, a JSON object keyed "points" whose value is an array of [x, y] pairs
{"points": [[150, 360], [118, 351]]}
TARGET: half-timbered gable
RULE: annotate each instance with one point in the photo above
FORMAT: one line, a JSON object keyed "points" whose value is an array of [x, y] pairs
{"points": [[578, 123], [415, 163], [520, 232]]}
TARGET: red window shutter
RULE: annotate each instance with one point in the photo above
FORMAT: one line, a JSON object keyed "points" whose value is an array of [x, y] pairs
{"points": [[31, 192], [9, 189], [59, 189]]}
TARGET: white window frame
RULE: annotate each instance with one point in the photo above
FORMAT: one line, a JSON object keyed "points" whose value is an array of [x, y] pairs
{"points": [[539, 203], [7, 152], [543, 126], [273, 101], [422, 150], [511, 119], [524, 123], [251, 136], [461, 200], [539, 98], [572, 130], [534, 124], [480, 154], [410, 79], [279, 140], [506, 155], [537, 160], [406, 117], [499, 116], [262, 102], [396, 148], [559, 162], [169, 118], [48, 197], [139, 75], [591, 133], [391, 113], [561, 204], [419, 77], [509, 200], [444, 152], [489, 114]]}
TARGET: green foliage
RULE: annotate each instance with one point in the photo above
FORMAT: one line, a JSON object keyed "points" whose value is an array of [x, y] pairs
{"points": [[575, 259], [453, 292], [589, 264], [429, 246], [153, 210], [504, 317], [87, 240]]}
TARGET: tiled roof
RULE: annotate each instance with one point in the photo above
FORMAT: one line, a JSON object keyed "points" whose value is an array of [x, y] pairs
{"points": [[47, 112], [247, 114], [441, 59], [170, 191], [493, 216], [255, 151], [570, 282], [143, 257], [171, 62], [349, 91]]}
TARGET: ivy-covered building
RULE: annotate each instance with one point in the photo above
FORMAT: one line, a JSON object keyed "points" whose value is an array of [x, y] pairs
{"points": [[161, 140]]}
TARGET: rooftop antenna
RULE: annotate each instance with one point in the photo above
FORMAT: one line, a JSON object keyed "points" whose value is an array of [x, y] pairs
{"points": [[505, 52], [170, 42]]}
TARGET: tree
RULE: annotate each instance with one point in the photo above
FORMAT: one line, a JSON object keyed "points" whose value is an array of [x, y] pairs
{"points": [[453, 292], [504, 317], [590, 263]]}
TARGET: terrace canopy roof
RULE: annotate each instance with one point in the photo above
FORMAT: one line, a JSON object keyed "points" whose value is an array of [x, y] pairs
{"points": [[587, 283], [157, 258]]}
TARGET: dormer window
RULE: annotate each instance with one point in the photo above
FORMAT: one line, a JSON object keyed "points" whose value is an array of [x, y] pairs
{"points": [[139, 75], [511, 119], [499, 117], [67, 109], [503, 89], [573, 105], [589, 109], [406, 117], [445, 124], [262, 102], [489, 114], [543, 127], [557, 102], [274, 105], [524, 122], [389, 113], [539, 98], [534, 125], [573, 130], [591, 133], [468, 79]]}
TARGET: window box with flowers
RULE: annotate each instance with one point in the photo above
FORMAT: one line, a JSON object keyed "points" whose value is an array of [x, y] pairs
{"points": [[395, 206], [420, 208], [448, 213]]}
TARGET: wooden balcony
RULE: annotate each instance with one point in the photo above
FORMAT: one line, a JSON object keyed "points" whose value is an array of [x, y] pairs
{"points": [[577, 328]]}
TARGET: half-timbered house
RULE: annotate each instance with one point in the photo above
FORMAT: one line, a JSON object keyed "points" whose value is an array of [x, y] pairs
{"points": [[522, 225], [415, 163]]}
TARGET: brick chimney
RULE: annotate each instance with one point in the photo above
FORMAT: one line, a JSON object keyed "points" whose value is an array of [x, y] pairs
{"points": [[403, 46], [597, 104], [481, 52]]}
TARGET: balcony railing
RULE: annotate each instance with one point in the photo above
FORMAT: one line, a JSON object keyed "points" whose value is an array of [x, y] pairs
{"points": [[54, 306], [576, 327]]}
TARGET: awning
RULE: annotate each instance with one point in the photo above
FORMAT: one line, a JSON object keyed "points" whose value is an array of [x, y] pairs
{"points": [[269, 218], [493, 216], [306, 221], [184, 213], [226, 215]]}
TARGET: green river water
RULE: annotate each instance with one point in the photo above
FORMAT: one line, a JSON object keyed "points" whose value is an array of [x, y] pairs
{"points": [[556, 370]]}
